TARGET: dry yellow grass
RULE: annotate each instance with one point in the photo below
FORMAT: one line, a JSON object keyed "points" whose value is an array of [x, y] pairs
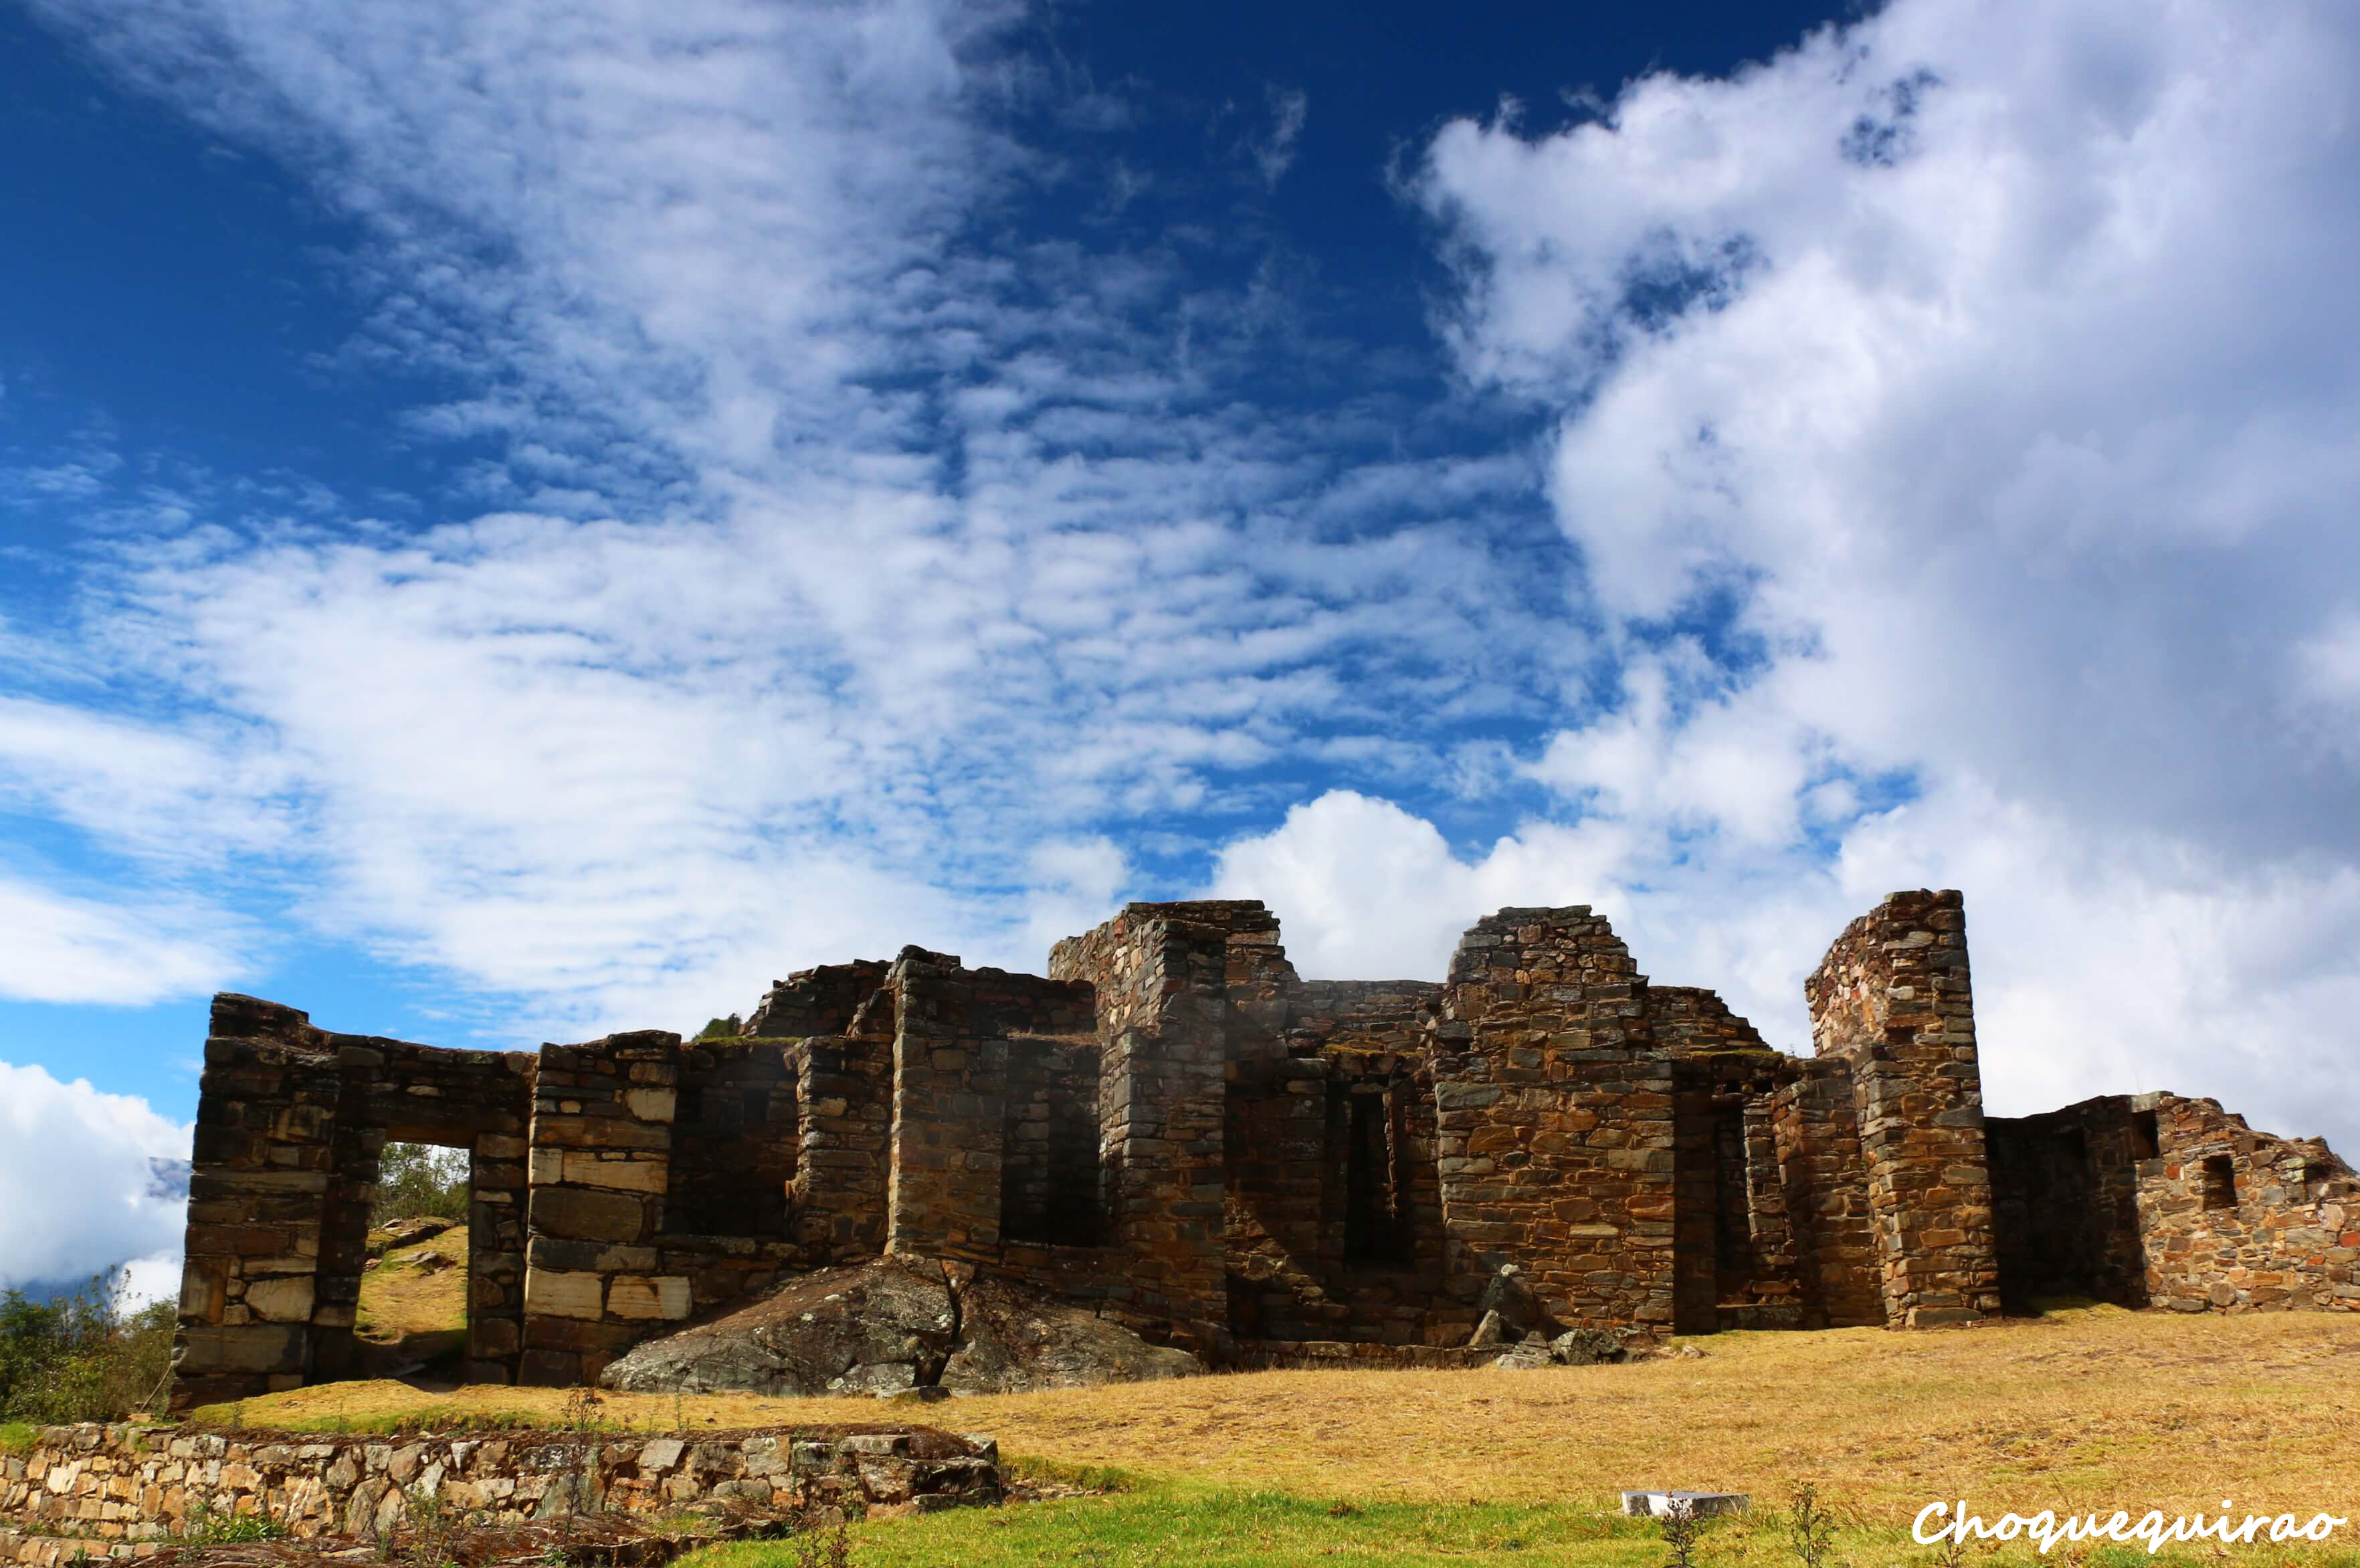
{"points": [[417, 1312], [2081, 1409]]}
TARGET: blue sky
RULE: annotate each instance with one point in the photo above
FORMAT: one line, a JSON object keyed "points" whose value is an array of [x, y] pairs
{"points": [[526, 520]]}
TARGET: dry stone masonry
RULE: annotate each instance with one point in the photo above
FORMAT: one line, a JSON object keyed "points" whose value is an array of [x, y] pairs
{"points": [[1175, 1133], [96, 1491]]}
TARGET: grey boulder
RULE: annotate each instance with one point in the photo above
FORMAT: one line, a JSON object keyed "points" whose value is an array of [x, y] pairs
{"points": [[891, 1326]]}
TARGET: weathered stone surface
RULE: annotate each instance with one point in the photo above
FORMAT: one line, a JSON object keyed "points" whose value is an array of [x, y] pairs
{"points": [[120, 1490], [891, 1326], [587, 1215], [564, 1295], [287, 1300], [1587, 1347], [632, 1296]]}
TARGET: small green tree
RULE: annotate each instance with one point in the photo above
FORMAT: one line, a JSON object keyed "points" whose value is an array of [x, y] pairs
{"points": [[728, 1028], [415, 1179], [1809, 1528]]}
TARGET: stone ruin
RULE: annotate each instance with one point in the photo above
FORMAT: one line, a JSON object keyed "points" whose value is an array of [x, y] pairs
{"points": [[1175, 1131]]}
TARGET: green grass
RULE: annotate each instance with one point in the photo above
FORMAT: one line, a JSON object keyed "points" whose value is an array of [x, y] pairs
{"points": [[386, 1423], [1228, 1527], [1175, 1526], [1040, 1471], [19, 1437]]}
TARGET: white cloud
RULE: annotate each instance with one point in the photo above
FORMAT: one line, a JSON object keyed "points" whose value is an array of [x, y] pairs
{"points": [[189, 793], [63, 948], [2096, 970], [79, 1191], [1994, 365], [760, 657], [1276, 154], [1366, 890], [2329, 664]]}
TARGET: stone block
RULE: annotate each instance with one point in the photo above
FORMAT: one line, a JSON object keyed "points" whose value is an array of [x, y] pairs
{"points": [[641, 1296], [287, 1300], [257, 1347], [589, 1214], [650, 1176], [650, 1104], [561, 1295]]}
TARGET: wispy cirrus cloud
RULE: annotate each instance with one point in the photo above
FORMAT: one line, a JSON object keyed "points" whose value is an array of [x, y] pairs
{"points": [[857, 562]]}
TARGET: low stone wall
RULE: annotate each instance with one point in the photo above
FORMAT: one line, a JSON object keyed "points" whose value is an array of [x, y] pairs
{"points": [[1320, 1354], [36, 1550], [118, 1483]]}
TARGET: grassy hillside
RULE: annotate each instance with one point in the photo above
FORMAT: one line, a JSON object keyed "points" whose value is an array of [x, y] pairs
{"points": [[413, 1306], [2083, 1410]]}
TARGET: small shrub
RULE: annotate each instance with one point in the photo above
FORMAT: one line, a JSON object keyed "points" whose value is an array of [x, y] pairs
{"points": [[1681, 1528], [434, 1527], [819, 1545], [1809, 1528], [205, 1526], [90, 1356]]}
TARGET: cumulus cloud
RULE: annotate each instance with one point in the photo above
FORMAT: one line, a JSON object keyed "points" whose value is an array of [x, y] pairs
{"points": [[87, 1180], [1972, 382], [2096, 970]]}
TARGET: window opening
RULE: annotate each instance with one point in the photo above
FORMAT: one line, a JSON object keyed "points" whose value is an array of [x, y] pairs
{"points": [[2218, 1181]]}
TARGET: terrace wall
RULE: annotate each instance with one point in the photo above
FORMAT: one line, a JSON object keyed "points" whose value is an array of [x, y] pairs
{"points": [[121, 1484]]}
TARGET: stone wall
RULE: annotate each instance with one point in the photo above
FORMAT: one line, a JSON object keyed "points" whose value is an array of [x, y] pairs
{"points": [[819, 1001], [1815, 1119], [1893, 1000], [290, 1123], [1737, 1264], [950, 1083], [846, 1085], [2158, 1200], [1178, 1131], [601, 1165], [1052, 1190], [1334, 1212], [1690, 1018], [2065, 1189], [1162, 1111], [2232, 1219], [107, 1484], [1555, 1127]]}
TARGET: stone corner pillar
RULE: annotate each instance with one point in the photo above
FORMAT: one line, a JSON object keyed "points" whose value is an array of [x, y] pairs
{"points": [[950, 1090], [1893, 1000]]}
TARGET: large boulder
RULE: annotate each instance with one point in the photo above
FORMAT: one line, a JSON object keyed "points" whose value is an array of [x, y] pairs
{"points": [[890, 1326]]}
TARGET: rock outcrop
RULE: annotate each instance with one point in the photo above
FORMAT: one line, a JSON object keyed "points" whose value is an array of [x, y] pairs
{"points": [[892, 1327]]}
